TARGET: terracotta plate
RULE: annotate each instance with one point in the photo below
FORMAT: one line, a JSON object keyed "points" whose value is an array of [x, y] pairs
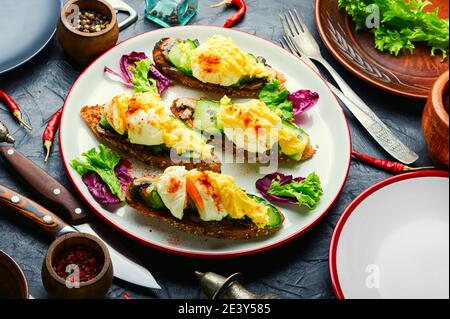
{"points": [[407, 75]]}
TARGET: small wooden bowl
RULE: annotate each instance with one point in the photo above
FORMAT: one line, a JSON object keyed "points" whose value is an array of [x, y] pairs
{"points": [[84, 47], [95, 288], [13, 284], [435, 122]]}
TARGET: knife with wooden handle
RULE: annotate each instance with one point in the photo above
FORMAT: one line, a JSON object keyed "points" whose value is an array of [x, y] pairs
{"points": [[126, 267], [32, 211], [46, 187]]}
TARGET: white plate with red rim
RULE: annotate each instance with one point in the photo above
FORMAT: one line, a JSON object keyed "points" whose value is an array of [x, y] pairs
{"points": [[392, 241], [326, 124]]}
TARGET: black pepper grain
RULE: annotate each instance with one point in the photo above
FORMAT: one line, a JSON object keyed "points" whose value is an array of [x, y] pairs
{"points": [[90, 21]]}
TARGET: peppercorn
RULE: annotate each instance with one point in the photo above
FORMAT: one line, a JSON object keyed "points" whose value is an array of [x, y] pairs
{"points": [[90, 21]]}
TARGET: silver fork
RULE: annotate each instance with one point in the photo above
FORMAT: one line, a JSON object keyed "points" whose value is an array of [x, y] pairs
{"points": [[302, 43]]}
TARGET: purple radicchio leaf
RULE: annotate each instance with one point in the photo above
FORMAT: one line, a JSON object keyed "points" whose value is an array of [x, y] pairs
{"points": [[117, 76], [263, 185], [302, 101], [162, 81], [100, 191], [127, 60]]}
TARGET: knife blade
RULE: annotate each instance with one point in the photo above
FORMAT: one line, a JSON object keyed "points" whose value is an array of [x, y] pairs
{"points": [[126, 267]]}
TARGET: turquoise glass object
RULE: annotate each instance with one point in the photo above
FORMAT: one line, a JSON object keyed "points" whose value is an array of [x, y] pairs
{"points": [[169, 13]]}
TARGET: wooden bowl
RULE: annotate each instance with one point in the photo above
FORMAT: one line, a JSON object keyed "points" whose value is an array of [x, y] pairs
{"points": [[13, 284], [435, 122], [84, 47], [95, 288]]}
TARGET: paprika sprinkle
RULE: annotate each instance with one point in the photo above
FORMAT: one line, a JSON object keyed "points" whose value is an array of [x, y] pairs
{"points": [[49, 132], [89, 261], [14, 108], [242, 9], [385, 165]]}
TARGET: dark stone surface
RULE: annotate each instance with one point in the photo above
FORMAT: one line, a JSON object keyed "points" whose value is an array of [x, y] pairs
{"points": [[297, 270]]}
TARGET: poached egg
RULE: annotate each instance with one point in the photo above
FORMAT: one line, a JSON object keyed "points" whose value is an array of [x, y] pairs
{"points": [[145, 120], [220, 61], [171, 187]]}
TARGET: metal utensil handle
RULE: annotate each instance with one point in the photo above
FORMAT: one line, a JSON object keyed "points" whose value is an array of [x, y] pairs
{"points": [[380, 132], [121, 6], [44, 185], [40, 216]]}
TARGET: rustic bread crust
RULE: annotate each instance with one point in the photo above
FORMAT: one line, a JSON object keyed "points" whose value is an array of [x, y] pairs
{"points": [[248, 90], [233, 230], [308, 153], [92, 116]]}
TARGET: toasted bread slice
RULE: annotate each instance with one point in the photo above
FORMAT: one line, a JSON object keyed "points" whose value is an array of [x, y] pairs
{"points": [[92, 116], [191, 223], [183, 108], [160, 52]]}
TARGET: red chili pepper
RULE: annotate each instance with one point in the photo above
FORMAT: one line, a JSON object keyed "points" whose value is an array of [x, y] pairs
{"points": [[49, 132], [388, 166], [242, 9], [14, 108], [126, 295]]}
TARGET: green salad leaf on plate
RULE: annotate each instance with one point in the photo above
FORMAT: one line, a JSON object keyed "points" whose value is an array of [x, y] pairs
{"points": [[141, 80], [102, 162], [402, 23], [277, 100], [307, 191]]}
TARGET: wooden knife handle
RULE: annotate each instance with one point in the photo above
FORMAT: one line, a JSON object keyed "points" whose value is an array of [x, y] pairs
{"points": [[41, 217], [45, 186]]}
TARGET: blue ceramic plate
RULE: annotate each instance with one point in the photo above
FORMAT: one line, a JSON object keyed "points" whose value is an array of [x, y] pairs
{"points": [[25, 29]]}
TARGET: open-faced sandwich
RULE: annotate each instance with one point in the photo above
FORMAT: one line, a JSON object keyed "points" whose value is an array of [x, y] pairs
{"points": [[251, 126], [204, 203], [217, 65], [139, 126]]}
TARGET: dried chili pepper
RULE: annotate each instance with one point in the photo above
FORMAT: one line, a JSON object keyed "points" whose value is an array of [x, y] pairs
{"points": [[14, 108], [49, 132], [126, 295], [88, 261], [242, 9], [388, 166]]}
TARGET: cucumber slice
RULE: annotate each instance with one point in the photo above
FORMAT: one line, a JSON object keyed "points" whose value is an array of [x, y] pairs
{"points": [[151, 198], [180, 55], [301, 134], [105, 124], [157, 149], [205, 116], [190, 155], [275, 218]]}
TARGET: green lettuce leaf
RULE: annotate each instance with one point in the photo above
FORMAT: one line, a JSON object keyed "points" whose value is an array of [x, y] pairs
{"points": [[307, 191], [102, 162], [277, 100], [140, 79], [402, 23]]}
